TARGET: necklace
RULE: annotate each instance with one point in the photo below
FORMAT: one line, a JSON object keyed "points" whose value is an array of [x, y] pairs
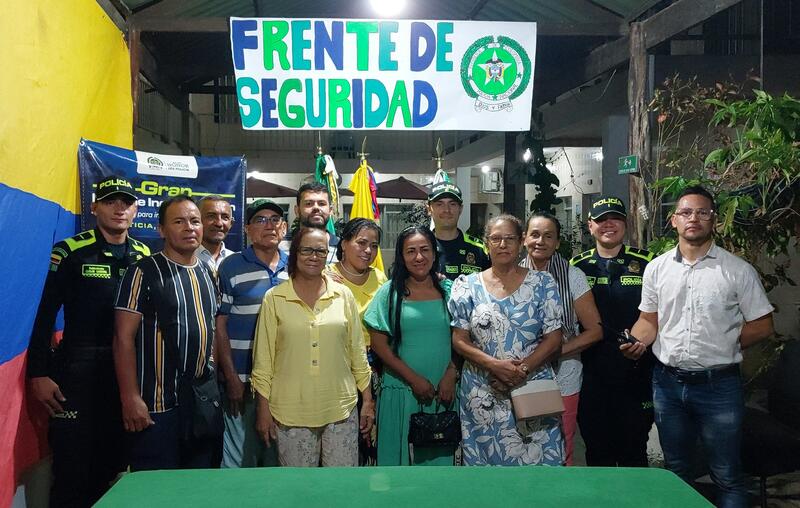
{"points": [[354, 274]]}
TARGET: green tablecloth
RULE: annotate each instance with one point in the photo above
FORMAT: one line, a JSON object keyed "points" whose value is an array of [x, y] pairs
{"points": [[418, 487]]}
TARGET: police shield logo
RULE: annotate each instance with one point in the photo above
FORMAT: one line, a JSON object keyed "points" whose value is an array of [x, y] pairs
{"points": [[495, 70], [471, 258], [634, 267]]}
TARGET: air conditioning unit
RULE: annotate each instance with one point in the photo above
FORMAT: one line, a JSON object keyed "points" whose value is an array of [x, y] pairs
{"points": [[490, 183]]}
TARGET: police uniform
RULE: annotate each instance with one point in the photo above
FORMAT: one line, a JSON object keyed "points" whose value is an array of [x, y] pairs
{"points": [[615, 412], [87, 438], [461, 256], [464, 254]]}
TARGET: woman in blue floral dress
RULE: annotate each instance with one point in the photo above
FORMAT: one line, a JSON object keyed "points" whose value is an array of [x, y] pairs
{"points": [[507, 327]]}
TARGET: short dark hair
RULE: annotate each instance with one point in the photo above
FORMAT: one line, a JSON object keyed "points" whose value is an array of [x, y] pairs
{"points": [[291, 263], [505, 217], [352, 228], [697, 190], [544, 215], [162, 208], [311, 187]]}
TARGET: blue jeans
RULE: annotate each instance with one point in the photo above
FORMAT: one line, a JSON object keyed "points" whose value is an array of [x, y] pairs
{"points": [[241, 444], [711, 410]]}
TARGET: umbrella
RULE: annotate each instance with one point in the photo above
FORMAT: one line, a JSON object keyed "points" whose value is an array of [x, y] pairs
{"points": [[402, 188], [365, 203], [257, 188]]}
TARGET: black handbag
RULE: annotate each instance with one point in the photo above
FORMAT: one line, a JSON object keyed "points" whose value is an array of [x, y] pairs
{"points": [[200, 406], [434, 429]]}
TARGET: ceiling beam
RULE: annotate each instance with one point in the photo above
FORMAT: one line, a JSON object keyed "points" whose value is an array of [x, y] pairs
{"points": [[661, 26]]}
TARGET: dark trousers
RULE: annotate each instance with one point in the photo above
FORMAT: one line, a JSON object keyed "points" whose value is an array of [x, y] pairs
{"points": [[160, 446], [87, 439], [615, 421]]}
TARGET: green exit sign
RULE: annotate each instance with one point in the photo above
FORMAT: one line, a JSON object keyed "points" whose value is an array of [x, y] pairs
{"points": [[628, 164]]}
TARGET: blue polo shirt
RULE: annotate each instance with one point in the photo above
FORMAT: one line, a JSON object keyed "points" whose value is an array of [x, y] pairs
{"points": [[243, 280]]}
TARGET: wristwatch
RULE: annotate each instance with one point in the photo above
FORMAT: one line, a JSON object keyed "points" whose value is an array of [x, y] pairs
{"points": [[524, 367]]}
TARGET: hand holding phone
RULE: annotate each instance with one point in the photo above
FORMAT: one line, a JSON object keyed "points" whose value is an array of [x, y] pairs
{"points": [[622, 337]]}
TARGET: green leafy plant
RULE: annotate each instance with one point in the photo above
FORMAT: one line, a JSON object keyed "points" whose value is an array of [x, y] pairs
{"points": [[744, 147]]}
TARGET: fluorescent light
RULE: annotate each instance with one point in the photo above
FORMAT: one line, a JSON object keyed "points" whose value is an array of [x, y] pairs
{"points": [[387, 8], [527, 155], [598, 156], [485, 169]]}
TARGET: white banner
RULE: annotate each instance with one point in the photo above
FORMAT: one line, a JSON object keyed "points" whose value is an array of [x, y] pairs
{"points": [[336, 74]]}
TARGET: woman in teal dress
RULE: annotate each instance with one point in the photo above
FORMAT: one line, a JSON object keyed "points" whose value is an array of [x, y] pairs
{"points": [[410, 331]]}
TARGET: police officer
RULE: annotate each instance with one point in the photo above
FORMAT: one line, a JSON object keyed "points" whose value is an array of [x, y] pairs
{"points": [[76, 381], [459, 253], [615, 412]]}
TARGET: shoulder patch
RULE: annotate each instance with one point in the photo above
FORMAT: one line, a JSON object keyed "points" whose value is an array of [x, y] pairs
{"points": [[140, 247], [473, 241], [581, 257], [639, 253], [80, 240]]}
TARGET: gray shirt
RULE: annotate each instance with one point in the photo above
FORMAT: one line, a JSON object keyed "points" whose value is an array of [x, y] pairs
{"points": [[701, 307]]}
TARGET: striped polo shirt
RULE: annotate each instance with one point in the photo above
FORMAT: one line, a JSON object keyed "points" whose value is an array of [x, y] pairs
{"points": [[243, 280], [178, 304]]}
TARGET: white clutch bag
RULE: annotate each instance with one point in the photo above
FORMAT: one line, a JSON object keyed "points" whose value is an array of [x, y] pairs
{"points": [[536, 398]]}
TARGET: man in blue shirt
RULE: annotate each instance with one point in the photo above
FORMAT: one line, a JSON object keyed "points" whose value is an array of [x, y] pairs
{"points": [[243, 279]]}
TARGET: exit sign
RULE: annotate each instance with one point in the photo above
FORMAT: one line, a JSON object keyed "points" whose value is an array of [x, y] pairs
{"points": [[628, 164]]}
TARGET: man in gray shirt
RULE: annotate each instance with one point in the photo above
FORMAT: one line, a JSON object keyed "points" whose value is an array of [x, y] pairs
{"points": [[701, 305]]}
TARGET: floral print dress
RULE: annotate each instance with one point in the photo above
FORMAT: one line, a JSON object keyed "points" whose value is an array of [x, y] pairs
{"points": [[508, 328]]}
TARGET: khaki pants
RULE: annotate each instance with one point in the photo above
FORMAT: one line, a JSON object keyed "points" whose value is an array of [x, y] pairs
{"points": [[335, 444]]}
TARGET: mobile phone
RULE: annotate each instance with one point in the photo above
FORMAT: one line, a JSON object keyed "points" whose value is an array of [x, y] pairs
{"points": [[622, 338]]}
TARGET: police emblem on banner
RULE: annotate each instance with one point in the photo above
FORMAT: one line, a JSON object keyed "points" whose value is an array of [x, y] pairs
{"points": [[495, 70]]}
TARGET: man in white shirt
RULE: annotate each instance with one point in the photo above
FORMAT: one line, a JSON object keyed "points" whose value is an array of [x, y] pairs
{"points": [[701, 305], [217, 216]]}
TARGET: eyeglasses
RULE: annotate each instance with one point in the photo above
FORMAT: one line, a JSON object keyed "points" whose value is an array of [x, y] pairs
{"points": [[263, 219], [494, 241], [310, 251], [702, 213]]}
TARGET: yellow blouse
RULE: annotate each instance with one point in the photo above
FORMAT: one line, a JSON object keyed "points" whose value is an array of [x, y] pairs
{"points": [[363, 293], [309, 362]]}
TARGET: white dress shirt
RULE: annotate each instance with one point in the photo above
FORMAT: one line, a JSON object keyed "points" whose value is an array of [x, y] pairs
{"points": [[701, 307]]}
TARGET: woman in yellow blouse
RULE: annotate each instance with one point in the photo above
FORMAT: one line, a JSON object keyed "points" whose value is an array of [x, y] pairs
{"points": [[358, 247], [308, 361]]}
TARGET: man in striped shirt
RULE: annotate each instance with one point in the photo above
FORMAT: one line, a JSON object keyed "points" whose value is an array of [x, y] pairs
{"points": [[163, 336], [243, 279]]}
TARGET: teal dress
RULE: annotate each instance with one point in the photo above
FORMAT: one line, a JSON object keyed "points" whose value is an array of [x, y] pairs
{"points": [[425, 348]]}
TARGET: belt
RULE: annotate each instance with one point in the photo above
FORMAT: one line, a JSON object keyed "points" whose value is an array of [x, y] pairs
{"points": [[697, 377]]}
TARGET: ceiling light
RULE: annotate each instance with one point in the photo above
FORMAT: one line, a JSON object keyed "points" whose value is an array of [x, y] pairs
{"points": [[527, 155], [598, 156], [387, 8], [485, 169]]}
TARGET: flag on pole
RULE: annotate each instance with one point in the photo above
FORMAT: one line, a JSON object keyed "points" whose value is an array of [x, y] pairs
{"points": [[325, 173], [365, 201]]}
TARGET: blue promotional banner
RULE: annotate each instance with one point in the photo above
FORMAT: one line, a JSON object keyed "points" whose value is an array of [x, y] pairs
{"points": [[156, 177]]}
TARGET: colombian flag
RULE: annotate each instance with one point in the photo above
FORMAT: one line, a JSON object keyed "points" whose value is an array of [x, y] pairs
{"points": [[365, 203], [69, 83]]}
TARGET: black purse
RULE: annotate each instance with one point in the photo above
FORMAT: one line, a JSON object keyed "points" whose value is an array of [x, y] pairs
{"points": [[434, 429], [200, 406]]}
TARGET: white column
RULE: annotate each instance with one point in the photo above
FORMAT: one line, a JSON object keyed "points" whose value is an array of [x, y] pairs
{"points": [[464, 182]]}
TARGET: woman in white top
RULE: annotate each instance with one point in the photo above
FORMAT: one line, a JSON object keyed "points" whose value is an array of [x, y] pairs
{"points": [[542, 239]]}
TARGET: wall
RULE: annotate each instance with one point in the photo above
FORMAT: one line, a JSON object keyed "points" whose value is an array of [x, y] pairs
{"points": [[67, 76]]}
